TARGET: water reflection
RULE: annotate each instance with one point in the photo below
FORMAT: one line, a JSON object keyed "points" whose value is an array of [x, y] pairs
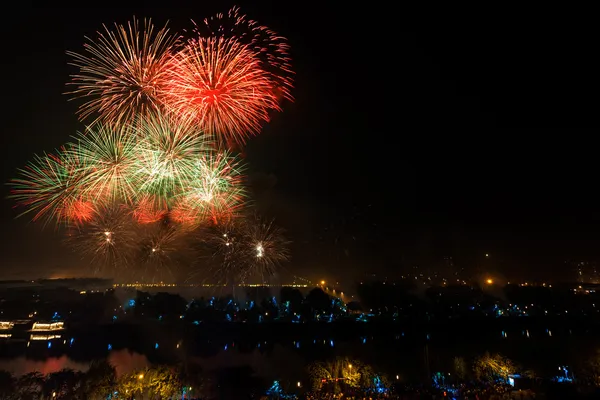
{"points": [[280, 361], [21, 365]]}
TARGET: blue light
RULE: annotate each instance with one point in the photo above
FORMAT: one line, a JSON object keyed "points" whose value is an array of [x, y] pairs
{"points": [[49, 344], [110, 346], [364, 340], [71, 341], [131, 303], [156, 345], [331, 343], [297, 345], [225, 348]]}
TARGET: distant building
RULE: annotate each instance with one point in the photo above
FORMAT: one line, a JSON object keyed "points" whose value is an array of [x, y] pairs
{"points": [[78, 284]]}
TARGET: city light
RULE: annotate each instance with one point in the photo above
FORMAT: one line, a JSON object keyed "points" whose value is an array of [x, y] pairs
{"points": [[322, 283], [54, 326], [489, 281]]}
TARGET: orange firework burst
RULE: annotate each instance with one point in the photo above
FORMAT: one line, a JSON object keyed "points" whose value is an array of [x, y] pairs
{"points": [[123, 72], [150, 209], [220, 82], [271, 49]]}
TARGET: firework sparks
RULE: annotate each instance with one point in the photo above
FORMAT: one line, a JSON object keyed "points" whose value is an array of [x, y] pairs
{"points": [[267, 246], [215, 192], [246, 248], [50, 188], [150, 209], [159, 251], [107, 240], [107, 163], [271, 49], [123, 73], [168, 152], [220, 83], [225, 245]]}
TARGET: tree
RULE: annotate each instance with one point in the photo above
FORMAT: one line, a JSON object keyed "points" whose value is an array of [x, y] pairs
{"points": [[292, 298], [318, 300], [99, 380], [160, 382], [7, 385], [164, 382], [460, 368], [591, 369], [342, 372], [490, 368], [29, 386], [64, 384]]}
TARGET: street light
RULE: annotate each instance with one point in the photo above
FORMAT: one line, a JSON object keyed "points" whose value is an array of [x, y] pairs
{"points": [[141, 376], [322, 283]]}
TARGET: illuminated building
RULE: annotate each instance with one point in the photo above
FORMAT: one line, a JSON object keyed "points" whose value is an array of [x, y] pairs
{"points": [[43, 337], [45, 327], [6, 325]]}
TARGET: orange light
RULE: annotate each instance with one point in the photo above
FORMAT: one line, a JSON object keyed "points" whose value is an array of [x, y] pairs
{"points": [[489, 281]]}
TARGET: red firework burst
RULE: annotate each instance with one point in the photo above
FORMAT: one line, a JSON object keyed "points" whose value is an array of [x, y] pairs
{"points": [[221, 84], [80, 211], [271, 49], [150, 209]]}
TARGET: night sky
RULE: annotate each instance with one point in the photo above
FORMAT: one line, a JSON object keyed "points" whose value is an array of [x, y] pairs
{"points": [[412, 137]]}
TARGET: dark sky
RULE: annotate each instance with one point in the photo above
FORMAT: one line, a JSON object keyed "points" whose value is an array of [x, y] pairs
{"points": [[413, 135]]}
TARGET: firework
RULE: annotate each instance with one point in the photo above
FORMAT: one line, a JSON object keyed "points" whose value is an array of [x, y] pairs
{"points": [[107, 161], [159, 251], [220, 83], [215, 191], [168, 152], [123, 73], [244, 249], [224, 243], [50, 188], [149, 172], [266, 246], [107, 240], [271, 49], [149, 209]]}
